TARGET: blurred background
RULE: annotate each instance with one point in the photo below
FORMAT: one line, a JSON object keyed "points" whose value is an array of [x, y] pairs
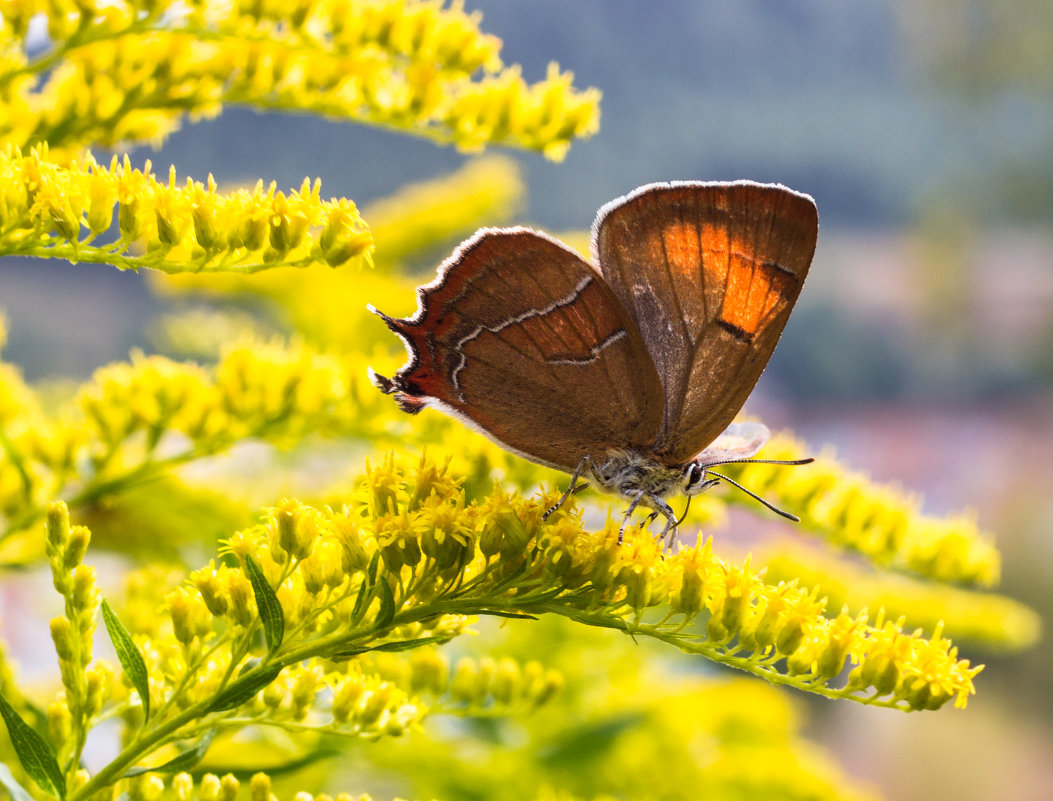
{"points": [[922, 347]]}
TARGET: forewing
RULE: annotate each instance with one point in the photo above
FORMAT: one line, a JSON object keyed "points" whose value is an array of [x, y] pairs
{"points": [[737, 441], [522, 338], [710, 271]]}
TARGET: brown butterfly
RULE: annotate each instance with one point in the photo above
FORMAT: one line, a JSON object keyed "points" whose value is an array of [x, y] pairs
{"points": [[626, 371]]}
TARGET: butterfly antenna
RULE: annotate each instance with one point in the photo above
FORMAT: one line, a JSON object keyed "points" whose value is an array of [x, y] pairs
{"points": [[808, 460], [754, 495]]}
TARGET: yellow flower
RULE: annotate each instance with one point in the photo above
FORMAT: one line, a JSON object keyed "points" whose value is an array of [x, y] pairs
{"points": [[165, 226], [117, 77]]}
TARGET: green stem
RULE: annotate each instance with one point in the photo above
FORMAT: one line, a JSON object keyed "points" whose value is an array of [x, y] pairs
{"points": [[154, 738]]}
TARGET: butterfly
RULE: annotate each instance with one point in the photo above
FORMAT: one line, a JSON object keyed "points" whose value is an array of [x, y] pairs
{"points": [[626, 370]]}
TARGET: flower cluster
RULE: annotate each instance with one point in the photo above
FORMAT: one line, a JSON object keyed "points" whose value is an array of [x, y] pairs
{"points": [[87, 685], [58, 211], [440, 553], [975, 617], [881, 522], [318, 587], [320, 304], [135, 421], [306, 622], [777, 632], [129, 71]]}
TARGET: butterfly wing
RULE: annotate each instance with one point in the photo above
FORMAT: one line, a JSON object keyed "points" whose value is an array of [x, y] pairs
{"points": [[737, 441], [710, 271], [522, 338]]}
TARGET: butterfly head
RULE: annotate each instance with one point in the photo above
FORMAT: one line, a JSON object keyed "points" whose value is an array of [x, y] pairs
{"points": [[694, 479]]}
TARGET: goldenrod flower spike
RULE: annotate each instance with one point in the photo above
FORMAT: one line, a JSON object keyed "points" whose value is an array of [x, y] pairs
{"points": [[983, 618], [777, 632], [124, 73], [319, 304], [882, 522], [110, 439], [326, 620], [58, 211], [374, 577]]}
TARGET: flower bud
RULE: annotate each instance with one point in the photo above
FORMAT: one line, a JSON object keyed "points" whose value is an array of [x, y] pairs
{"points": [[183, 786], [260, 787]]}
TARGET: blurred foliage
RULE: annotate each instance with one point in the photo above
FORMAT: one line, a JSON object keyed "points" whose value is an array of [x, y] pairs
{"points": [[996, 55]]}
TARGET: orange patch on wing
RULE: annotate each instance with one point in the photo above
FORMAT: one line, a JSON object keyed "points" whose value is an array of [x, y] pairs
{"points": [[755, 292], [716, 247], [680, 241]]}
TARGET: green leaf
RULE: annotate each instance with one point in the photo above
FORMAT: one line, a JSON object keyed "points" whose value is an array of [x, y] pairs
{"points": [[396, 646], [184, 761], [387, 605], [129, 655], [365, 595], [14, 789], [502, 613], [374, 564], [36, 756], [268, 605], [513, 576], [243, 688], [409, 645]]}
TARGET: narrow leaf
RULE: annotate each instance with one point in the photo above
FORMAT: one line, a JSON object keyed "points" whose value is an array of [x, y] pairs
{"points": [[365, 595], [242, 689], [511, 578], [502, 613], [408, 645], [184, 761], [268, 605], [386, 612], [367, 591], [36, 756], [398, 645], [129, 655]]}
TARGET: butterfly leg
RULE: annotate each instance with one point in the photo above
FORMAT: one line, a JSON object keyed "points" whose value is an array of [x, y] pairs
{"points": [[573, 487], [628, 513], [668, 535]]}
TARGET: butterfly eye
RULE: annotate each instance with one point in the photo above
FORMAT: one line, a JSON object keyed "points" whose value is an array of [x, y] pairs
{"points": [[692, 476]]}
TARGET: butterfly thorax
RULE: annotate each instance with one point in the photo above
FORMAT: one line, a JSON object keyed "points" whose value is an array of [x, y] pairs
{"points": [[627, 472]]}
